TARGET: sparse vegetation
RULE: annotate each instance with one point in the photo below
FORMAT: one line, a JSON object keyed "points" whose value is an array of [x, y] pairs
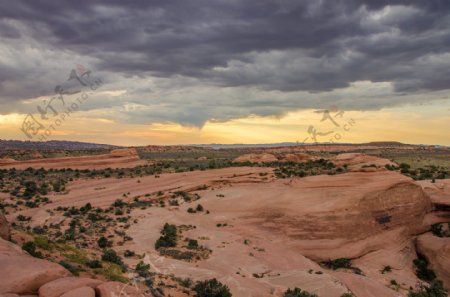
{"points": [[211, 288], [297, 292], [435, 289]]}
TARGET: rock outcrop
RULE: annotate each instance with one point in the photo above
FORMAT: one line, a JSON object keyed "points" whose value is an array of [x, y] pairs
{"points": [[61, 286], [345, 215], [361, 162], [20, 273], [437, 251]]}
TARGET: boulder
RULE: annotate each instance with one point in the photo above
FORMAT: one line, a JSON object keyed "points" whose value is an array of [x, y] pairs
{"points": [[5, 231], [113, 289], [22, 274], [61, 286], [361, 162], [80, 292]]}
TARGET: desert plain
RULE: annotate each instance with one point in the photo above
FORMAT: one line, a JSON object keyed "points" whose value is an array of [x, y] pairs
{"points": [[367, 220]]}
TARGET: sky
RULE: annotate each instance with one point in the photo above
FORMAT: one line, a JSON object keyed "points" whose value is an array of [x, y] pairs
{"points": [[230, 71]]}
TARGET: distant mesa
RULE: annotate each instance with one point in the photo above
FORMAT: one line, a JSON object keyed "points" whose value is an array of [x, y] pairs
{"points": [[118, 158]]}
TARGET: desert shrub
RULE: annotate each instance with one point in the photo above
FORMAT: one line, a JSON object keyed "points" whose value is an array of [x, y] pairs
{"points": [[129, 253], [438, 230], [43, 190], [102, 242], [43, 243], [30, 248], [338, 263], [111, 256], [296, 292], [22, 218], [211, 288], [58, 186], [71, 267], [422, 271], [190, 210], [143, 269], [199, 208], [386, 269], [177, 254], [186, 282], [436, 289], [168, 237], [30, 189], [192, 244], [94, 264], [38, 230]]}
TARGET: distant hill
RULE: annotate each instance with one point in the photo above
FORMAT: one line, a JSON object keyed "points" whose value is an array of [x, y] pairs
{"points": [[51, 145], [285, 144], [386, 143]]}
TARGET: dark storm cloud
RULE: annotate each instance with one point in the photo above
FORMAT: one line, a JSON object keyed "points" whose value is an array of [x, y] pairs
{"points": [[285, 45]]}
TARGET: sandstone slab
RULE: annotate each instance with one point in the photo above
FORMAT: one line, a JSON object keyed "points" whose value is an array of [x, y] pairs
{"points": [[61, 286]]}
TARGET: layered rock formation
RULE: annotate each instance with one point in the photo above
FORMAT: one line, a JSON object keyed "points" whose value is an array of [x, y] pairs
{"points": [[120, 158]]}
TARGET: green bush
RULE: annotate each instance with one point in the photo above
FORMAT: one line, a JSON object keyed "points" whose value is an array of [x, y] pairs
{"points": [[211, 288], [438, 230], [102, 242], [422, 271], [111, 256], [30, 189], [296, 292], [94, 264], [30, 247], [143, 269], [168, 237], [192, 244], [338, 263], [386, 269]]}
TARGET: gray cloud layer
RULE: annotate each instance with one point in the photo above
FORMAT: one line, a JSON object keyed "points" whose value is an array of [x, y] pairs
{"points": [[264, 51]]}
